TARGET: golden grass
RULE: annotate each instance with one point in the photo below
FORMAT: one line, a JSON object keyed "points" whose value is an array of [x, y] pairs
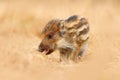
{"points": [[21, 22]]}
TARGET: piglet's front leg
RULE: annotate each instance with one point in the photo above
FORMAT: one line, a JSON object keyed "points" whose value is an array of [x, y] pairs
{"points": [[68, 55], [65, 54]]}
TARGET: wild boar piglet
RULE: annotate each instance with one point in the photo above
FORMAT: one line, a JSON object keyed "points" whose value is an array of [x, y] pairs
{"points": [[69, 36]]}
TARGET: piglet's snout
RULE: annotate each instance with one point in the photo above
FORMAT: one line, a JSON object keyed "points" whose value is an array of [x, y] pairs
{"points": [[41, 48]]}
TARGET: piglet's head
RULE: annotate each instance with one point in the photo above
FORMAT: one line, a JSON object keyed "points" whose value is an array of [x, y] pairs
{"points": [[52, 32]]}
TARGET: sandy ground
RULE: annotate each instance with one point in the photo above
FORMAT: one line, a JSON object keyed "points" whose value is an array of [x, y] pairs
{"points": [[21, 22]]}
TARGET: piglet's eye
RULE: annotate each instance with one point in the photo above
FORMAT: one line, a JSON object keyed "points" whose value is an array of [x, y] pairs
{"points": [[50, 36]]}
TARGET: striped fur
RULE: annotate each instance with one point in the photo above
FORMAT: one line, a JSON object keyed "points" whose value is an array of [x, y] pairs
{"points": [[70, 36]]}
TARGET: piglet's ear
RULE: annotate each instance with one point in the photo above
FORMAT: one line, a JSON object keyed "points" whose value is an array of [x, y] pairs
{"points": [[62, 28], [61, 24]]}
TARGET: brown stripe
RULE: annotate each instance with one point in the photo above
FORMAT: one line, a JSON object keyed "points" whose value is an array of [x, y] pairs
{"points": [[71, 28], [81, 23], [72, 18], [84, 31]]}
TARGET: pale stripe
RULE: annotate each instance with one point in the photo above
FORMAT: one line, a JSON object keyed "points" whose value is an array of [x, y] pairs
{"points": [[85, 36], [71, 24], [82, 28]]}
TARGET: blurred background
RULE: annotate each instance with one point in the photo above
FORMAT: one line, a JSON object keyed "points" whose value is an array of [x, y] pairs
{"points": [[21, 22]]}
